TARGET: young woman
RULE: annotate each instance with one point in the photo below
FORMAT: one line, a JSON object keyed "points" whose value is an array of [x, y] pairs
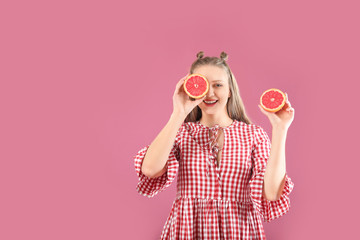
{"points": [[230, 176]]}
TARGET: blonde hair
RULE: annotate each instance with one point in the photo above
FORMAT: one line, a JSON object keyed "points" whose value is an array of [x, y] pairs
{"points": [[235, 106]]}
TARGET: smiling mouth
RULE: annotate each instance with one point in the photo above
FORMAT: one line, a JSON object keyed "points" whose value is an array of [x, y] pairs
{"points": [[210, 102]]}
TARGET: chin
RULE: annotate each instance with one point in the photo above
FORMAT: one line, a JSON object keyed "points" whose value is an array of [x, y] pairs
{"points": [[209, 111]]}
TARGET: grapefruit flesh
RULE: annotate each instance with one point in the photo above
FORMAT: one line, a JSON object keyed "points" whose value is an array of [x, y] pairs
{"points": [[272, 100], [196, 86]]}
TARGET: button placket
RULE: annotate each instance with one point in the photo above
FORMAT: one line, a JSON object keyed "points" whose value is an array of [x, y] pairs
{"points": [[214, 149], [214, 146]]}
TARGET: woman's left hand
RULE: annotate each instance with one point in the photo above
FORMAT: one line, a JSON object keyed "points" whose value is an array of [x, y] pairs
{"points": [[282, 118]]}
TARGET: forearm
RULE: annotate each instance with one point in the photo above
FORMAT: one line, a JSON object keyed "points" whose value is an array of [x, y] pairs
{"points": [[155, 159], [274, 179]]}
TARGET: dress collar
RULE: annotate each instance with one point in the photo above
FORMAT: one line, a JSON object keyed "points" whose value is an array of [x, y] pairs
{"points": [[216, 126], [200, 132]]}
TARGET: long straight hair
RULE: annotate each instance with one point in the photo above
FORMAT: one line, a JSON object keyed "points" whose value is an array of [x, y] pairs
{"points": [[235, 106]]}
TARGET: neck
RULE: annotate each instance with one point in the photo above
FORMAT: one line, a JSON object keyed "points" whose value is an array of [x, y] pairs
{"points": [[210, 121]]}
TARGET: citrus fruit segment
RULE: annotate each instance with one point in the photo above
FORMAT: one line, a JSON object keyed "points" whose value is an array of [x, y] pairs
{"points": [[272, 100], [196, 86]]}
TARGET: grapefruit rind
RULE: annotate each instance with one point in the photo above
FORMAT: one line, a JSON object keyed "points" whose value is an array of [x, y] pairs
{"points": [[273, 109], [198, 96]]}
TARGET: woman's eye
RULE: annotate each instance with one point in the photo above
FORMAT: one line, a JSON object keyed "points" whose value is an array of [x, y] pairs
{"points": [[218, 85]]}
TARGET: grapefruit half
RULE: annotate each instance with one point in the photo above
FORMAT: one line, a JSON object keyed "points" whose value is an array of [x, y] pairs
{"points": [[196, 86], [272, 100]]}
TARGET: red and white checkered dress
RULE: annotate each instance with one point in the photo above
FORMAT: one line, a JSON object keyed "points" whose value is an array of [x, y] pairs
{"points": [[214, 202]]}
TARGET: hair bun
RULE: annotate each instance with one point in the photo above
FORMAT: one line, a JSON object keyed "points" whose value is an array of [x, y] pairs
{"points": [[200, 54], [224, 56]]}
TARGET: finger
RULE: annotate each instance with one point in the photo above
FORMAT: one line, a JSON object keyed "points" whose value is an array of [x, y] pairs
{"points": [[182, 80], [198, 101], [178, 89], [285, 107], [180, 83], [287, 99], [262, 110], [290, 109]]}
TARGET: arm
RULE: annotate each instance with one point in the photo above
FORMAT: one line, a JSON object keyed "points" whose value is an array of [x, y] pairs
{"points": [[274, 178], [275, 174], [154, 163]]}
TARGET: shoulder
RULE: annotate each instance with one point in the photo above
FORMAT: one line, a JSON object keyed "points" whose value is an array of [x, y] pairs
{"points": [[189, 128], [186, 128], [255, 131], [260, 135], [249, 128]]}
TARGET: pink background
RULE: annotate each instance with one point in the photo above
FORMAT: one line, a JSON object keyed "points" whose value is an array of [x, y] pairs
{"points": [[87, 84]]}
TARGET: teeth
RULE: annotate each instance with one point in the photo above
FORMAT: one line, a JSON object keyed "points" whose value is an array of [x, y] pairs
{"points": [[210, 102]]}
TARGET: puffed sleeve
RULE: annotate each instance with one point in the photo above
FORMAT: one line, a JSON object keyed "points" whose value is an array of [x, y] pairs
{"points": [[151, 186], [269, 210]]}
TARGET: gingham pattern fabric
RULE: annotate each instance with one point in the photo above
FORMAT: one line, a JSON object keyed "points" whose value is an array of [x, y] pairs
{"points": [[216, 202]]}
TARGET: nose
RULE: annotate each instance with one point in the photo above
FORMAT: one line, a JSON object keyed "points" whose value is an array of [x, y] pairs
{"points": [[210, 93]]}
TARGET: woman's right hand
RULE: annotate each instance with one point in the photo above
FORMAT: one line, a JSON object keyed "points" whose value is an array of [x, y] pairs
{"points": [[182, 102]]}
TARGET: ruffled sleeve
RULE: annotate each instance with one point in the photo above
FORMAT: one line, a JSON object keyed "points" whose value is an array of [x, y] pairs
{"points": [[151, 186], [269, 210]]}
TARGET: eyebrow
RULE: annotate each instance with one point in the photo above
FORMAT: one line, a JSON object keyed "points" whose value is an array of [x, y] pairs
{"points": [[217, 81]]}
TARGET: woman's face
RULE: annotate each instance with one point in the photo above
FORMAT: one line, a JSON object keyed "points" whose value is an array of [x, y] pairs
{"points": [[219, 89]]}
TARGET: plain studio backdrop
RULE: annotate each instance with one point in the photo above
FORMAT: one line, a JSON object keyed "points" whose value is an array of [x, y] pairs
{"points": [[87, 84]]}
